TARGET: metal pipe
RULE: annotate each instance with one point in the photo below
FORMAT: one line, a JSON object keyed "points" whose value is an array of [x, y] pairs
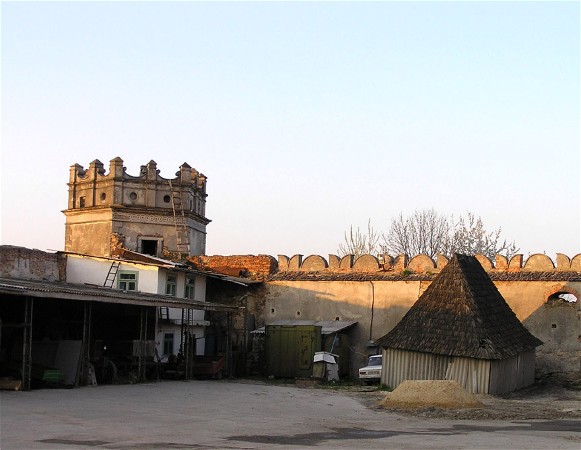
{"points": [[372, 310]]}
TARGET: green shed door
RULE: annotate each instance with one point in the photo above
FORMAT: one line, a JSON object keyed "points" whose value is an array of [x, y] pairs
{"points": [[290, 349]]}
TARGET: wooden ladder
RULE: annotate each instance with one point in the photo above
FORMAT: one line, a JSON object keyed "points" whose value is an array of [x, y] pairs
{"points": [[182, 238], [112, 274]]}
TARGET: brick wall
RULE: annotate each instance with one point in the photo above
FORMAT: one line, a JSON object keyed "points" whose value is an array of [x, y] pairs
{"points": [[238, 265]]}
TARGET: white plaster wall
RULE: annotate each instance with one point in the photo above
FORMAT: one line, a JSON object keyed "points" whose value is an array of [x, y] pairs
{"points": [[176, 313], [85, 269], [176, 330]]}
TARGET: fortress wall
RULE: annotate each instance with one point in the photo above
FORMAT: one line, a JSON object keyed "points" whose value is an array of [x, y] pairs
{"points": [[424, 264], [377, 294]]}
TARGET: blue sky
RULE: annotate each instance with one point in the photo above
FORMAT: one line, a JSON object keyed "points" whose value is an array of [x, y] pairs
{"points": [[306, 117]]}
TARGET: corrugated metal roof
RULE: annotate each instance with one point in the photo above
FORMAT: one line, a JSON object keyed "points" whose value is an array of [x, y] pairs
{"points": [[83, 292], [327, 326]]}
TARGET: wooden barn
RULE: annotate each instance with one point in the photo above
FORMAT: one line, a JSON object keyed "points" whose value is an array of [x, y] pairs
{"points": [[462, 329]]}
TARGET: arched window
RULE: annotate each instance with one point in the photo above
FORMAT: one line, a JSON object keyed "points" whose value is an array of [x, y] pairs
{"points": [[562, 297]]}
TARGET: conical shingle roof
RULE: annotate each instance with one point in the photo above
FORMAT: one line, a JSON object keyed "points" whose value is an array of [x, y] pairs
{"points": [[461, 314]]}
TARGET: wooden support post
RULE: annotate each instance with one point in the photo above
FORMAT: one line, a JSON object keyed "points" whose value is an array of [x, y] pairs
{"points": [[83, 374], [229, 343], [27, 344], [188, 354], [142, 360]]}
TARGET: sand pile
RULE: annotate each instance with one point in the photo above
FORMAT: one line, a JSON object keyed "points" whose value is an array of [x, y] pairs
{"points": [[426, 393]]}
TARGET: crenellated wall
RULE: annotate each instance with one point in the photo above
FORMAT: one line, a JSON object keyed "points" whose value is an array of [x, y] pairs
{"points": [[377, 294], [423, 264], [94, 187]]}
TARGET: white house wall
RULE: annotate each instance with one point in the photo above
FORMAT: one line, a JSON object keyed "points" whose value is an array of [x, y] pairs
{"points": [[151, 279], [175, 314], [85, 269], [199, 332]]}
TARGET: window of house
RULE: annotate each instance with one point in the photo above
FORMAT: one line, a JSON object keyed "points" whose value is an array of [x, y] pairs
{"points": [[171, 285], [168, 342], [190, 288], [127, 281]]}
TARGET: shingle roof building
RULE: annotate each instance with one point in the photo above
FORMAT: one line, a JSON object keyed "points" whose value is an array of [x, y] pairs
{"points": [[461, 328], [462, 314]]}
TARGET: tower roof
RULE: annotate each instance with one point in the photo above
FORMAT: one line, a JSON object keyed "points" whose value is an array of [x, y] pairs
{"points": [[461, 314]]}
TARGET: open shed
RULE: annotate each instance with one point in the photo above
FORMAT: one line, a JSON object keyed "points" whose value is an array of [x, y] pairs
{"points": [[47, 327]]}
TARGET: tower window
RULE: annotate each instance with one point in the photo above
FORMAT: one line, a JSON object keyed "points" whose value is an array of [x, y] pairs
{"points": [[82, 201], [149, 247], [133, 196], [103, 196], [166, 198]]}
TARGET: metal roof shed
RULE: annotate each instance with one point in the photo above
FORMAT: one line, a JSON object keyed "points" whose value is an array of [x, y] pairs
{"points": [[30, 308], [291, 345]]}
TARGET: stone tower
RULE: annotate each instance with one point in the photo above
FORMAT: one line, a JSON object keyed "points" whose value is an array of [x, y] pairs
{"points": [[147, 213]]}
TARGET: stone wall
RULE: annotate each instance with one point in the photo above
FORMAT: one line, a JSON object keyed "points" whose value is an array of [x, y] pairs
{"points": [[31, 264], [377, 294]]}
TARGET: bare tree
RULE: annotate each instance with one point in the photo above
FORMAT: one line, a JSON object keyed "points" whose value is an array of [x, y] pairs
{"points": [[429, 233], [470, 237], [424, 232], [358, 243]]}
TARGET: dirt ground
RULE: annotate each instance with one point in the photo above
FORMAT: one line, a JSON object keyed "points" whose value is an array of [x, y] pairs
{"points": [[554, 396], [282, 414]]}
